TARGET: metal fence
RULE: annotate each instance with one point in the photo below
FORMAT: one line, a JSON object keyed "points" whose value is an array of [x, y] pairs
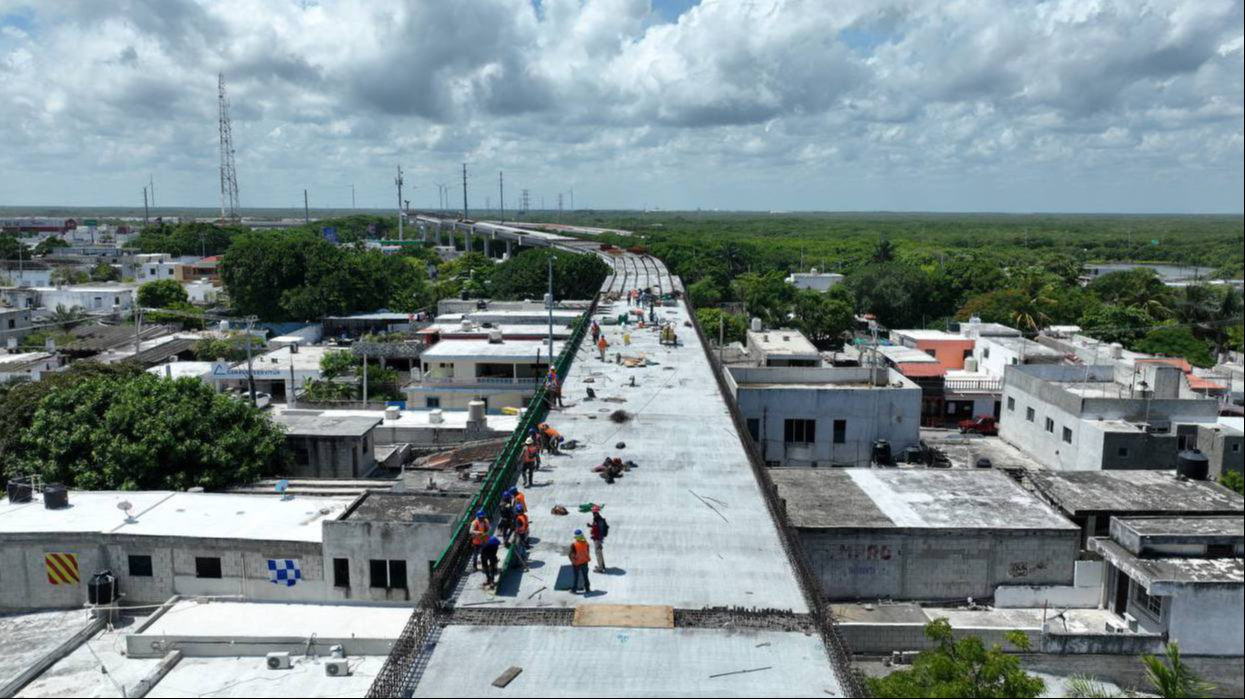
{"points": [[398, 677]]}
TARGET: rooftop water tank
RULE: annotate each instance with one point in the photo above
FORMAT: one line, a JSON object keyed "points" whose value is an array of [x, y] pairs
{"points": [[757, 326], [20, 491], [436, 417], [101, 591], [970, 365], [393, 413], [1117, 351], [1193, 465], [476, 411], [56, 497]]}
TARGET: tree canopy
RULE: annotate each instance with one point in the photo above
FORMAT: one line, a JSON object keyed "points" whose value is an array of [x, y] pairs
{"points": [[526, 276], [101, 428], [964, 668], [283, 276], [1177, 342]]}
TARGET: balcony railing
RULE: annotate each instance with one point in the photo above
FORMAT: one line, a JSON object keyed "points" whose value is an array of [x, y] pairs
{"points": [[974, 385], [500, 382]]}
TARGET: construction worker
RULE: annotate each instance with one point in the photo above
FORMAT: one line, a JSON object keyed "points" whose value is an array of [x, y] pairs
{"points": [[506, 518], [480, 530], [596, 331], [603, 346], [600, 531], [523, 532], [552, 439], [531, 462], [581, 557], [520, 500], [489, 555], [612, 470], [553, 389]]}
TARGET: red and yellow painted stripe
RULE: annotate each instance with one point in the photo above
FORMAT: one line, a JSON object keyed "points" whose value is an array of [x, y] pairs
{"points": [[63, 569]]}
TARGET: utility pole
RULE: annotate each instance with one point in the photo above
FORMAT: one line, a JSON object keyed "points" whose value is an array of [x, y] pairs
{"points": [[146, 211], [551, 356], [400, 181], [250, 366], [560, 209], [306, 208], [465, 209], [152, 182], [138, 329], [353, 205], [501, 186], [572, 198], [230, 208]]}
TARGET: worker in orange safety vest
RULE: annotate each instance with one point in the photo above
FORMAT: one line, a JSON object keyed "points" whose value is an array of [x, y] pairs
{"points": [[531, 462], [581, 557], [480, 530]]}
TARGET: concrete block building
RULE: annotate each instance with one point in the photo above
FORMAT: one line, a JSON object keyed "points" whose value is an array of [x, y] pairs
{"points": [[928, 535], [1182, 577], [1092, 499], [329, 445], [250, 547], [805, 417]]}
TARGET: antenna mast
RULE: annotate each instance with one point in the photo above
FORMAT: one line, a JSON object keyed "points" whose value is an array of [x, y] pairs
{"points": [[229, 209]]}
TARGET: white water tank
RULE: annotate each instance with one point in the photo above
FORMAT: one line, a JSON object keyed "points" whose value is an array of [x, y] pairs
{"points": [[1117, 351], [974, 327], [225, 326], [971, 366], [476, 411], [393, 414], [436, 417], [495, 337], [757, 326], [467, 326]]}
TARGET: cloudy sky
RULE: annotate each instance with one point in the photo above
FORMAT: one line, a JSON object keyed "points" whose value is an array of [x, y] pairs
{"points": [[915, 105]]}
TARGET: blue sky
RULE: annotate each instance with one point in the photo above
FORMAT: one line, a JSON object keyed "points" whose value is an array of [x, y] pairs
{"points": [[859, 105]]}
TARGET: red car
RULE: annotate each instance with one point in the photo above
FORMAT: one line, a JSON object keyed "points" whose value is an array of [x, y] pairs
{"points": [[985, 426]]}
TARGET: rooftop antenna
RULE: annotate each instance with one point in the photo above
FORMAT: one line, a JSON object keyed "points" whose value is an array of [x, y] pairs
{"points": [[501, 186], [229, 207], [128, 509], [465, 208], [399, 181], [151, 182]]}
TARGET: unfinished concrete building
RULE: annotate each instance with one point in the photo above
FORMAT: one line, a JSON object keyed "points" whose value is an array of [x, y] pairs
{"points": [[931, 536]]}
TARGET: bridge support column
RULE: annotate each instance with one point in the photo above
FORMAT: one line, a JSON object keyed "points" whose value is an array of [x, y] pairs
{"points": [[488, 247], [509, 249]]}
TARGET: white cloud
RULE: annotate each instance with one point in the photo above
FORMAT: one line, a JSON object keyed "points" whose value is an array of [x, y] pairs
{"points": [[919, 98]]}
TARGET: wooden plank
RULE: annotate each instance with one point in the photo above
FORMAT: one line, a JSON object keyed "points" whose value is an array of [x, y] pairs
{"points": [[624, 617], [507, 677]]}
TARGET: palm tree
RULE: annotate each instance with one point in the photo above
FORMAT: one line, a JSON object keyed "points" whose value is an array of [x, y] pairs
{"points": [[1173, 679], [884, 252], [1037, 298], [67, 318], [1082, 687]]}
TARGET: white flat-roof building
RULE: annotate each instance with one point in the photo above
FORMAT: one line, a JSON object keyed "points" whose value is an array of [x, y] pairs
{"points": [[815, 281], [808, 417], [501, 374], [783, 348]]}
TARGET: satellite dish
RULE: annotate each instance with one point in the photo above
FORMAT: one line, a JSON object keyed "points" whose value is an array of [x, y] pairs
{"points": [[283, 487], [127, 508]]}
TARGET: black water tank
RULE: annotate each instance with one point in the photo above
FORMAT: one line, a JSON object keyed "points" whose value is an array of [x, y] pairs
{"points": [[882, 453], [102, 590], [1193, 465], [19, 491], [56, 497], [914, 455]]}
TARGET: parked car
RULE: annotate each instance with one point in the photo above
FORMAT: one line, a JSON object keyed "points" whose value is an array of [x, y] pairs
{"points": [[984, 425]]}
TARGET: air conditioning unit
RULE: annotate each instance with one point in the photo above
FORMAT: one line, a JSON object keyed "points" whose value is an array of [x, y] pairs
{"points": [[280, 661], [337, 668]]}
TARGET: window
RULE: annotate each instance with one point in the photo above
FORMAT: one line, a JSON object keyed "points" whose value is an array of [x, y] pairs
{"points": [[1220, 551], [208, 569], [1011, 405], [1236, 449], [1125, 452], [1067, 435], [341, 572], [800, 431], [140, 567], [986, 353], [840, 431], [433, 403], [1031, 415], [388, 575], [932, 353], [1150, 605], [968, 354], [1050, 425], [754, 429]]}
